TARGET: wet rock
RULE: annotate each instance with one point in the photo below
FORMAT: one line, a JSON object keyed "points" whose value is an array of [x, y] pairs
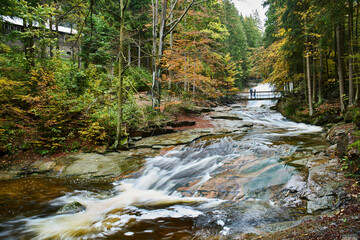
{"points": [[136, 138], [300, 162], [92, 165], [323, 203], [151, 131], [248, 125], [341, 136], [227, 116], [71, 208], [43, 167], [273, 108], [157, 147], [182, 123], [6, 175], [171, 139]]}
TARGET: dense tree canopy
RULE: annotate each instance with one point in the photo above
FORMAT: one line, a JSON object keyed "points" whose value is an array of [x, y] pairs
{"points": [[312, 46], [58, 88]]}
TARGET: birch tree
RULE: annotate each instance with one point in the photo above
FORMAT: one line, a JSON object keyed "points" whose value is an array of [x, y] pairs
{"points": [[162, 26]]}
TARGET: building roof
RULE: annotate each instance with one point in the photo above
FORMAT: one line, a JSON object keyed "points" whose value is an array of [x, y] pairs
{"points": [[19, 22]]}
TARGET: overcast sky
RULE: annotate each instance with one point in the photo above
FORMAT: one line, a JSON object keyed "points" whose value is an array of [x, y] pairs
{"points": [[246, 7]]}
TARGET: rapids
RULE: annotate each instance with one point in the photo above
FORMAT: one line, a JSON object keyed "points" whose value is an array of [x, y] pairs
{"points": [[217, 186]]}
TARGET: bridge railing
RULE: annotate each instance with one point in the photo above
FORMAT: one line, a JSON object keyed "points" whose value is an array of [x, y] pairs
{"points": [[261, 95]]}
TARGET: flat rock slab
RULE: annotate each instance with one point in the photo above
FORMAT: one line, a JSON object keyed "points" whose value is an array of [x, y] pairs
{"points": [[94, 165], [222, 115], [171, 139]]}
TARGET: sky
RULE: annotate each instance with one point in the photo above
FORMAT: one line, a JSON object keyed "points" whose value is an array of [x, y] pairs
{"points": [[246, 7]]}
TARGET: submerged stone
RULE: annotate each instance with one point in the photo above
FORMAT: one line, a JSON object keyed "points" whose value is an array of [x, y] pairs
{"points": [[71, 208]]}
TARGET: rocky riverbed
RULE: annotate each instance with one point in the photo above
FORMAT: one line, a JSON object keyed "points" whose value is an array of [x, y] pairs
{"points": [[294, 171]]}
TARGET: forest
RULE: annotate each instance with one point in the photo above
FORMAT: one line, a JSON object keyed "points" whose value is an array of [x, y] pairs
{"points": [[121, 65], [312, 48], [125, 120]]}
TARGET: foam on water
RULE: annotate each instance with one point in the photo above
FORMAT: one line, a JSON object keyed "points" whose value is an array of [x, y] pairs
{"points": [[152, 193], [155, 187], [263, 116]]}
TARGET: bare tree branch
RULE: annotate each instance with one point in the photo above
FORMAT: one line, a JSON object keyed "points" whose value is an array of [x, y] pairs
{"points": [[172, 9], [180, 18]]}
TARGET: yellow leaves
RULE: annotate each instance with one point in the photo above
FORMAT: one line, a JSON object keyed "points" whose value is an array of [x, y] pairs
{"points": [[281, 33], [41, 78], [94, 133], [4, 48], [217, 31], [7, 84], [8, 89]]}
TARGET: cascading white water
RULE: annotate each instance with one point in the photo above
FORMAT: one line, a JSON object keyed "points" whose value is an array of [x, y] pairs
{"points": [[155, 186], [258, 112], [232, 175]]}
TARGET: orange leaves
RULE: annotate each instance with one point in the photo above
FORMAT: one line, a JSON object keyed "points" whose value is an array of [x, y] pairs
{"points": [[7, 89], [42, 79]]}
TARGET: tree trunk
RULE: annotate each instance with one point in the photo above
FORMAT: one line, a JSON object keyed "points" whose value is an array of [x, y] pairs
{"points": [[351, 54], [311, 110], [51, 50], [314, 81], [155, 7], [172, 4], [29, 46], [357, 50], [157, 84], [340, 66], [119, 128], [308, 76], [139, 52], [320, 76], [305, 79], [129, 54], [327, 66], [57, 36]]}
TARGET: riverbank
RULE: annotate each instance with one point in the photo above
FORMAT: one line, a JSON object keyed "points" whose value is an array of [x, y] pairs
{"points": [[20, 163], [342, 129], [98, 164]]}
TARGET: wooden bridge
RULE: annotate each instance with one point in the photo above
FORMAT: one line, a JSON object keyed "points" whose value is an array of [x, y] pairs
{"points": [[259, 95]]}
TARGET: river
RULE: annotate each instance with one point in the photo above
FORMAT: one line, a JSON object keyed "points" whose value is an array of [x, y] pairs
{"points": [[219, 186]]}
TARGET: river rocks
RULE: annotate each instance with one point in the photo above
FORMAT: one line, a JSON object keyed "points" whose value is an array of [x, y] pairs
{"points": [[318, 188], [222, 115], [43, 167], [92, 165], [151, 131], [182, 123], [84, 165], [342, 136], [71, 208], [320, 203], [171, 139]]}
